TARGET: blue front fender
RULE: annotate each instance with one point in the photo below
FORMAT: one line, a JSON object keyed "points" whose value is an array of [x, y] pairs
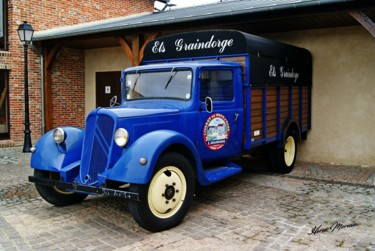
{"points": [[51, 156], [150, 146]]}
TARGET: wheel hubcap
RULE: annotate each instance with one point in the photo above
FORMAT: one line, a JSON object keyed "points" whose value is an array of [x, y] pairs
{"points": [[167, 192], [289, 151]]}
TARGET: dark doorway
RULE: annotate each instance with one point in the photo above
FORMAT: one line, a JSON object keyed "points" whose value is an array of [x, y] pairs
{"points": [[107, 85], [4, 107]]}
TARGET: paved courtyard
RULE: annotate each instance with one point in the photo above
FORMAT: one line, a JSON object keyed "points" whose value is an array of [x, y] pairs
{"points": [[316, 207]]}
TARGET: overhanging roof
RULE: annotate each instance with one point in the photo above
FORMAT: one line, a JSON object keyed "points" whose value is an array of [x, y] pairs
{"points": [[262, 13]]}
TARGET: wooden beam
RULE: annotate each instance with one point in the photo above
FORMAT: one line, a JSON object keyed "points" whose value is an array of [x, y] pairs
{"points": [[125, 47], [364, 20], [135, 50], [49, 58], [148, 39]]}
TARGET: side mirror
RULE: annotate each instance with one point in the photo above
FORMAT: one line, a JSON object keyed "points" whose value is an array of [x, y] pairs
{"points": [[208, 104]]}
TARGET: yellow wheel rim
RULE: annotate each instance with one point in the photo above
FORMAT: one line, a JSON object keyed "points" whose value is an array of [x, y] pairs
{"points": [[167, 192], [54, 176], [289, 151]]}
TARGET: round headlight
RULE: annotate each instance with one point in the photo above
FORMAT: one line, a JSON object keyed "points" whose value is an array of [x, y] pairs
{"points": [[59, 135], [121, 137]]}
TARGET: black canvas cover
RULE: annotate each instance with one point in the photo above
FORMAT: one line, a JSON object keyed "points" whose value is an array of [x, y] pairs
{"points": [[271, 62]]}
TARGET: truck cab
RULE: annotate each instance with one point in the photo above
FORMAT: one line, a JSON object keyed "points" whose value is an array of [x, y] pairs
{"points": [[200, 102], [197, 90]]}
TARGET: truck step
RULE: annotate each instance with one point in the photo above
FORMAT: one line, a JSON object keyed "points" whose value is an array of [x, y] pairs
{"points": [[217, 173]]}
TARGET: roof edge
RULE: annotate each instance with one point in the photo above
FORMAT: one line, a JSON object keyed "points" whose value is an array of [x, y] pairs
{"points": [[183, 15]]}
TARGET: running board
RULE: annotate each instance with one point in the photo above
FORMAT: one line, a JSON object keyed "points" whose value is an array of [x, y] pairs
{"points": [[221, 172]]}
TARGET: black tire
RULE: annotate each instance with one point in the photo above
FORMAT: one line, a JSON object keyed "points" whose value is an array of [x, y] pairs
{"points": [[282, 160], [54, 195], [165, 201]]}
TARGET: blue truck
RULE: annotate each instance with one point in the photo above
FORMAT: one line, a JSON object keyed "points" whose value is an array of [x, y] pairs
{"points": [[198, 101]]}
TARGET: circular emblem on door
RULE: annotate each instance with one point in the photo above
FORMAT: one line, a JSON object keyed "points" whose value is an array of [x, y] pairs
{"points": [[216, 131]]}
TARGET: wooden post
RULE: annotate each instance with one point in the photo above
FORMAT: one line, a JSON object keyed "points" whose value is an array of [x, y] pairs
{"points": [[135, 50], [49, 59]]}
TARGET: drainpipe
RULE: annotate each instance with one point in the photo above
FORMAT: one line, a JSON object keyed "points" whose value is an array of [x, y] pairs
{"points": [[40, 53]]}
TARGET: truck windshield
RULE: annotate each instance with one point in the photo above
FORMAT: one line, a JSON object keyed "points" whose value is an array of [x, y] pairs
{"points": [[173, 84]]}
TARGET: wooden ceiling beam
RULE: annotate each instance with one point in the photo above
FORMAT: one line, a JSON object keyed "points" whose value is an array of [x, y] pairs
{"points": [[125, 47], [133, 52], [364, 20], [147, 40]]}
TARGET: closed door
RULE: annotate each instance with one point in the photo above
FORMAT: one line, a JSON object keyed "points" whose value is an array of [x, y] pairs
{"points": [[107, 85], [218, 134]]}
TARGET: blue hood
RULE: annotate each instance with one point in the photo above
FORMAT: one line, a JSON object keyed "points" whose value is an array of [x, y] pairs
{"points": [[138, 112]]}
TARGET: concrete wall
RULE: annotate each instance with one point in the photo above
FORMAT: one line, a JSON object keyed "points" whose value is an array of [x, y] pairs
{"points": [[343, 105], [101, 60]]}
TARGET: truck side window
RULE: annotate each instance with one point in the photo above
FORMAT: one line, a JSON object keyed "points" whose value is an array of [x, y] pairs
{"points": [[217, 84]]}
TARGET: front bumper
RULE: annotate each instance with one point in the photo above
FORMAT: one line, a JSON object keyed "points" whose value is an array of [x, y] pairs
{"points": [[85, 188]]}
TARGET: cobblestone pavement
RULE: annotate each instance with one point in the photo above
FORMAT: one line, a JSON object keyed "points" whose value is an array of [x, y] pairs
{"points": [[316, 207]]}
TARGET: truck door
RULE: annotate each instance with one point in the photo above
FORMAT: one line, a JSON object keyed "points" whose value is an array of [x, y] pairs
{"points": [[219, 133]]}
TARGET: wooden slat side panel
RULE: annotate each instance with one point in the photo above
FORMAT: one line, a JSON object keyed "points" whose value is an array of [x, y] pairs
{"points": [[256, 120], [296, 102], [305, 107], [271, 133], [284, 104], [256, 114], [272, 105], [293, 100], [242, 61]]}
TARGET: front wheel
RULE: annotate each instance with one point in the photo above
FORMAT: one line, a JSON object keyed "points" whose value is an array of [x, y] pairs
{"points": [[165, 201], [55, 195]]}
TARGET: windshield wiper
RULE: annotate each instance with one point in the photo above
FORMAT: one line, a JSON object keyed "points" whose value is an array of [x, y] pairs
{"points": [[170, 78], [136, 79]]}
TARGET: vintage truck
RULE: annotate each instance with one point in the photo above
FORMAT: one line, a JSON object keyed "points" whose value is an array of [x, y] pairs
{"points": [[198, 101]]}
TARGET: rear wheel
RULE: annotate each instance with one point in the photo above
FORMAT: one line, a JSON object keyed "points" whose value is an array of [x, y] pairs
{"points": [[56, 195], [282, 159], [165, 201], [290, 151]]}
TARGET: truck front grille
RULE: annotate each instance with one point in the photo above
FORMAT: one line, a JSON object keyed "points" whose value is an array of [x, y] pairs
{"points": [[97, 147]]}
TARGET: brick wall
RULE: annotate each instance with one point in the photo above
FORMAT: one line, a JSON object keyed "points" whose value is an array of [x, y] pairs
{"points": [[68, 78], [68, 70]]}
